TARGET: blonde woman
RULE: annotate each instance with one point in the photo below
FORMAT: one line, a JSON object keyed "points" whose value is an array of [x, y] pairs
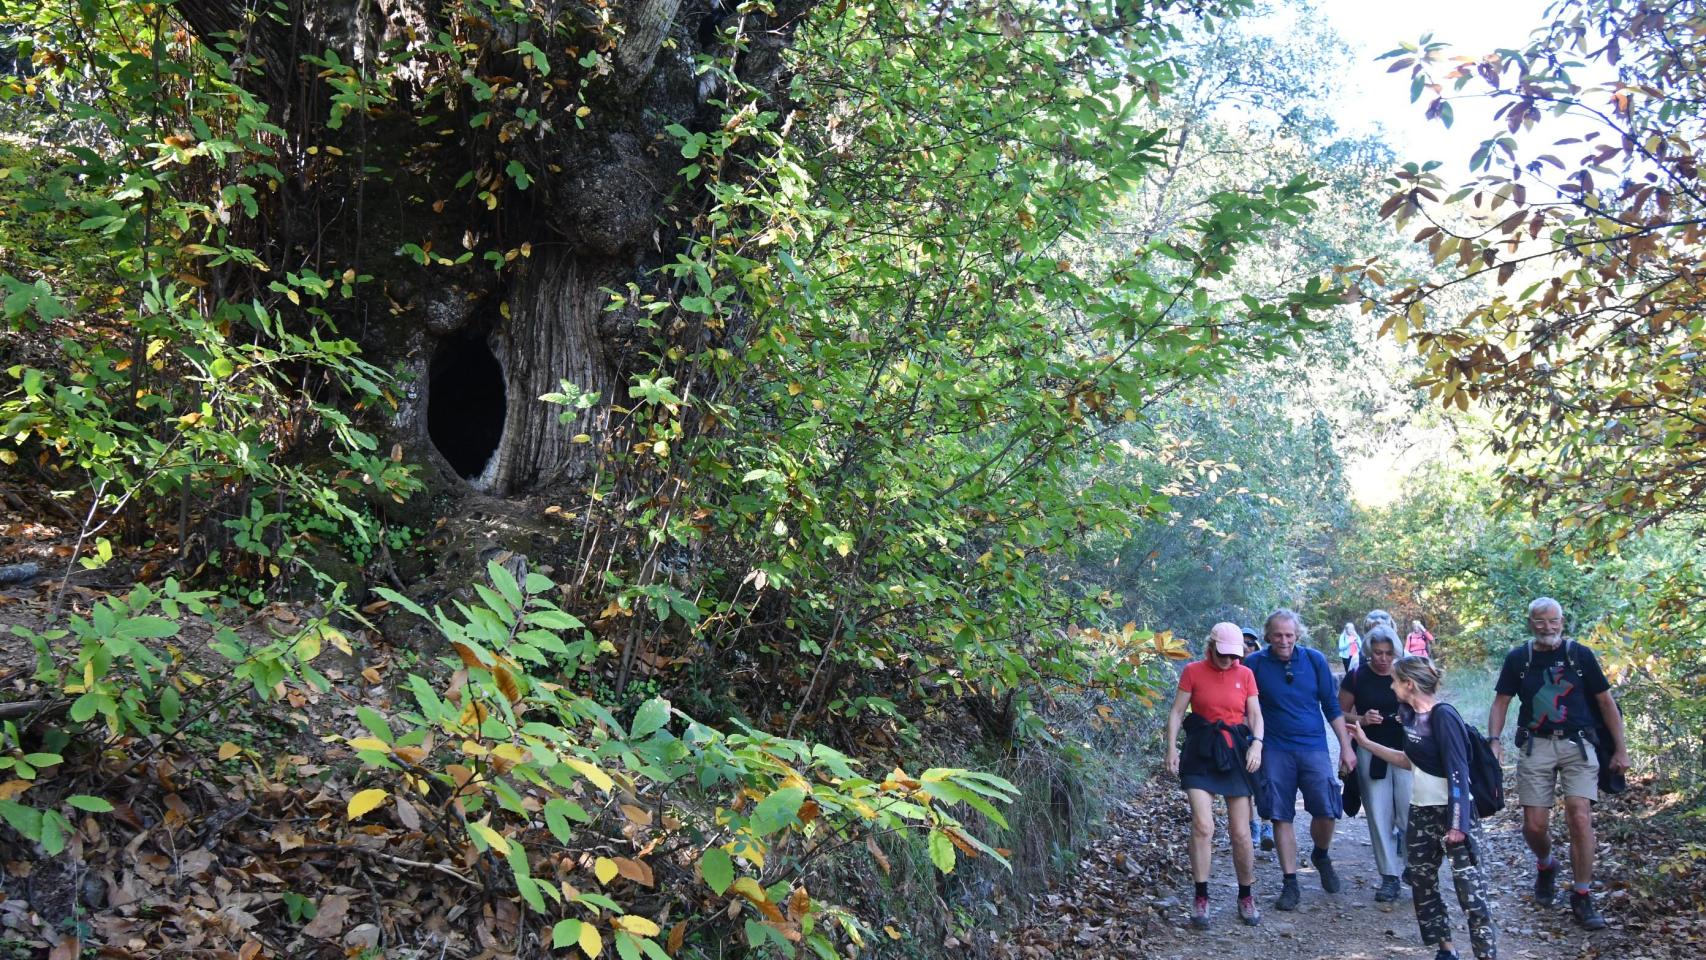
{"points": [[1442, 812]]}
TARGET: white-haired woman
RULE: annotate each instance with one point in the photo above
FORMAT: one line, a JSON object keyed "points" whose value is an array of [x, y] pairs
{"points": [[1349, 645], [1367, 699]]}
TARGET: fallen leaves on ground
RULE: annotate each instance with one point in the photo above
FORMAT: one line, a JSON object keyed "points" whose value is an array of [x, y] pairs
{"points": [[1119, 896]]}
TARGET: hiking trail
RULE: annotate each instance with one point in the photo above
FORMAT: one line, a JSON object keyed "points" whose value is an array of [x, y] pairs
{"points": [[1132, 895]]}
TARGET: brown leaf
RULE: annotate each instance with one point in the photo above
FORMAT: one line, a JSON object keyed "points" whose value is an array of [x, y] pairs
{"points": [[328, 923], [407, 815], [68, 948], [506, 682], [635, 870], [877, 854]]}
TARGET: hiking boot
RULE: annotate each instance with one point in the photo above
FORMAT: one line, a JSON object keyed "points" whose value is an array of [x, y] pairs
{"points": [[1587, 915], [1324, 866], [1247, 911], [1199, 913], [1267, 836], [1444, 954], [1389, 890], [1289, 896], [1545, 885]]}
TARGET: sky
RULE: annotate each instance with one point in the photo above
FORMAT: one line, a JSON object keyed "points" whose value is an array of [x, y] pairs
{"points": [[1371, 100]]}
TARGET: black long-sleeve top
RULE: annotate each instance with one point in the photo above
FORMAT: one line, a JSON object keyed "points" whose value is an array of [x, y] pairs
{"points": [[1437, 743]]}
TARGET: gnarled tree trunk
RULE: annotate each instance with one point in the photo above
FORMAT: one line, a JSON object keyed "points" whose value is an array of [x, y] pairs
{"points": [[598, 206]]}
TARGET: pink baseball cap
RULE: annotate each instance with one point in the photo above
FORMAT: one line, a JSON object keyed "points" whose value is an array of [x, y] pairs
{"points": [[1230, 646]]}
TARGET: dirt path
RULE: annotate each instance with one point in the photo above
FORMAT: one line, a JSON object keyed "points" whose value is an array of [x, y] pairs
{"points": [[1131, 898], [1352, 926]]}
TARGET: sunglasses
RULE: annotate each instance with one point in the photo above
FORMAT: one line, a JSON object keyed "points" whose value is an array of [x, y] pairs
{"points": [[1288, 674]]}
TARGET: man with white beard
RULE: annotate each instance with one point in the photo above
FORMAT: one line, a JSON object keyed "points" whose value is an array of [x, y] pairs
{"points": [[1560, 684]]}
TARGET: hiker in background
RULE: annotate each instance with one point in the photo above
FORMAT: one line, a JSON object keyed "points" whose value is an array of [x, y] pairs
{"points": [[1420, 643], [1297, 691], [1442, 813], [1366, 697], [1349, 645], [1375, 618], [1220, 755], [1261, 829], [1565, 717]]}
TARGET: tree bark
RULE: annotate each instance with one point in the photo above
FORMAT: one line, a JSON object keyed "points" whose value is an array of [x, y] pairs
{"points": [[603, 209], [552, 335]]}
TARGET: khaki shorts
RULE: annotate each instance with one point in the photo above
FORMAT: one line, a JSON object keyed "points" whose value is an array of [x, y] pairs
{"points": [[1546, 768]]}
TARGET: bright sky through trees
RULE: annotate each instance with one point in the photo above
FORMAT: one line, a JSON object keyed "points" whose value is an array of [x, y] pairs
{"points": [[1372, 99]]}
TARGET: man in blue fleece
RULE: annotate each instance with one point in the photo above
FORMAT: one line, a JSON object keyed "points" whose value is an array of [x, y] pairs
{"points": [[1297, 693]]}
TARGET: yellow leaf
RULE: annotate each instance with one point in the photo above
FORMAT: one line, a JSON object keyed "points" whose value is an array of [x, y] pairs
{"points": [[227, 750], [507, 755], [338, 640], [599, 778], [473, 714], [13, 788], [493, 839], [638, 925], [366, 801], [308, 646], [749, 888], [361, 743], [891, 931], [591, 942], [605, 869]]}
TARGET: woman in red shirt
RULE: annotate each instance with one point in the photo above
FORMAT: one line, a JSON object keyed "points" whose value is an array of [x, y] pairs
{"points": [[1220, 755]]}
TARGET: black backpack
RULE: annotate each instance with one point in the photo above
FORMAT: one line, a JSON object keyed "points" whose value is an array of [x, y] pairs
{"points": [[1610, 783], [1486, 776]]}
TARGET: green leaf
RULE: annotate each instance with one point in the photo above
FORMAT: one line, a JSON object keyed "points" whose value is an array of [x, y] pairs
{"points": [[566, 933], [776, 811], [652, 716], [83, 801], [518, 174], [505, 582], [541, 62], [941, 851], [374, 722], [558, 813], [717, 869], [524, 882]]}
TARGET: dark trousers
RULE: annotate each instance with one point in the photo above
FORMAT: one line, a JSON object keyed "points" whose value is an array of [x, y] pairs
{"points": [[1427, 849]]}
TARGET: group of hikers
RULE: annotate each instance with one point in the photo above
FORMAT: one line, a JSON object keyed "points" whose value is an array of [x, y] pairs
{"points": [[1419, 642], [1255, 714]]}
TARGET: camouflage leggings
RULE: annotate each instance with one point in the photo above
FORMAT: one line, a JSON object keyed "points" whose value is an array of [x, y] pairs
{"points": [[1426, 842]]}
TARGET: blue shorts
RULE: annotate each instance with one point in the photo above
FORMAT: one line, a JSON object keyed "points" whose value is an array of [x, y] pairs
{"points": [[1284, 773]]}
